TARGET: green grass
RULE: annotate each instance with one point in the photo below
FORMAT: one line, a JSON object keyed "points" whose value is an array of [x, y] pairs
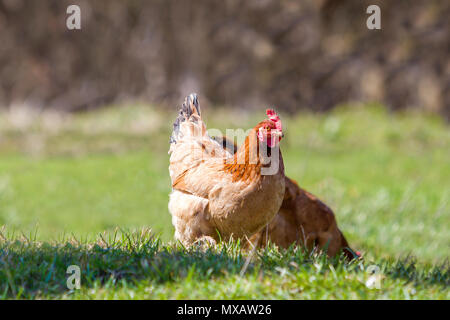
{"points": [[65, 179], [125, 265]]}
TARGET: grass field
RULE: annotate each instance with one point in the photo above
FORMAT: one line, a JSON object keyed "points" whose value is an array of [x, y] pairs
{"points": [[85, 189]]}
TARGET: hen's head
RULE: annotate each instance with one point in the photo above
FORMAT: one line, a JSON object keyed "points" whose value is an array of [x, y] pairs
{"points": [[270, 130]]}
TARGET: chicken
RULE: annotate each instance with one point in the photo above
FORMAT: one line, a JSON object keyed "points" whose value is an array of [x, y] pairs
{"points": [[216, 195], [302, 220]]}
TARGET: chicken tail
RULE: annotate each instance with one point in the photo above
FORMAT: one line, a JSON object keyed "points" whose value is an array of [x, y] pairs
{"points": [[190, 111]]}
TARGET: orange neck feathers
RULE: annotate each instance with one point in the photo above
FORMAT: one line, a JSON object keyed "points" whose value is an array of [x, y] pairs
{"points": [[245, 163]]}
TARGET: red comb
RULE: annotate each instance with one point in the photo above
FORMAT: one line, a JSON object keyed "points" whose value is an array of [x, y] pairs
{"points": [[274, 117], [271, 113]]}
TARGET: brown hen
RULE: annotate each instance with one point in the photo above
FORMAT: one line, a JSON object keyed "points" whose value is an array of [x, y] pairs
{"points": [[302, 220]]}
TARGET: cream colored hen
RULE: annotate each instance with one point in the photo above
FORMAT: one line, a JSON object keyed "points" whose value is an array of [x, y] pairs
{"points": [[217, 195]]}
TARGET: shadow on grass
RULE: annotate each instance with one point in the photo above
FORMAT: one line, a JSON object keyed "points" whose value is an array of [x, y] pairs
{"points": [[29, 269]]}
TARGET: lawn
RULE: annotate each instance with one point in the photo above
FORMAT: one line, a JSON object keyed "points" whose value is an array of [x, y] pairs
{"points": [[92, 190]]}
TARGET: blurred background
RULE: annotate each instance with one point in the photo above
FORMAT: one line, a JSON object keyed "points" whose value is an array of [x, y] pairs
{"points": [[310, 54], [86, 115]]}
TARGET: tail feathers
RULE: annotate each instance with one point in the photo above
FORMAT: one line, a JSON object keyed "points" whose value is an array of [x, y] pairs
{"points": [[190, 111]]}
